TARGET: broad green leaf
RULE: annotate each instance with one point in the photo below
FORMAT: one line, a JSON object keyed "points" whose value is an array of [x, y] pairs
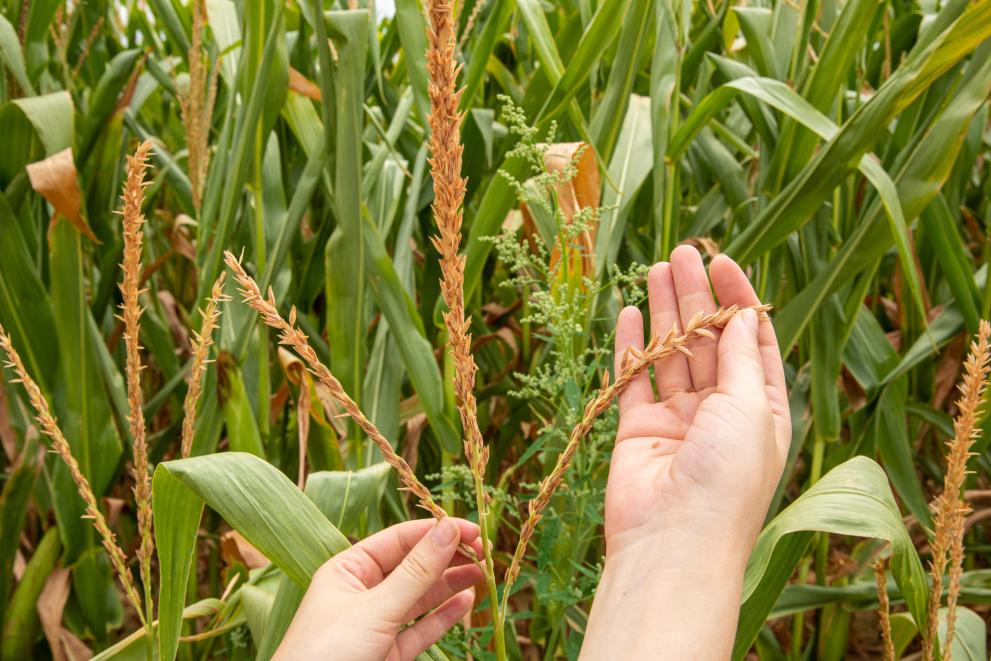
{"points": [[257, 604], [970, 634], [80, 395], [219, 228], [133, 648], [25, 307], [413, 35], [410, 338], [926, 165], [755, 22], [607, 119], [781, 97], [34, 127], [177, 512], [102, 103], [628, 169], [12, 57], [478, 57], [345, 496], [852, 499], [344, 256], [256, 500], [835, 161], [597, 37], [21, 623], [891, 434], [288, 596], [14, 500]]}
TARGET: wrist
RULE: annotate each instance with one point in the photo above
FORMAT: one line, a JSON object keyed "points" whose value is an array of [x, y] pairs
{"points": [[696, 546], [658, 599]]}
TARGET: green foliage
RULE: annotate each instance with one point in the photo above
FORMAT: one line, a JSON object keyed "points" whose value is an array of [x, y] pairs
{"points": [[839, 150]]}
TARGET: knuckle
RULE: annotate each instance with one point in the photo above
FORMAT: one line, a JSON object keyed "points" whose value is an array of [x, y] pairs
{"points": [[417, 569]]}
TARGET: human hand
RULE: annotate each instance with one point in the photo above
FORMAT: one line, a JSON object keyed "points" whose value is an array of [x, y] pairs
{"points": [[703, 461], [692, 474], [359, 601]]}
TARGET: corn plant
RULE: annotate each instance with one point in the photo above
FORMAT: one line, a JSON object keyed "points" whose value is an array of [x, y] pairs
{"points": [[433, 212]]}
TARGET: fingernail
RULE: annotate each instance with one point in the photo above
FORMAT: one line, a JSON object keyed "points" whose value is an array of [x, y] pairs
{"points": [[750, 319], [443, 533]]}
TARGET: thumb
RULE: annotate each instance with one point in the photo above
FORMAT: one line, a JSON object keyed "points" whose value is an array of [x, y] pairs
{"points": [[418, 572], [740, 371]]}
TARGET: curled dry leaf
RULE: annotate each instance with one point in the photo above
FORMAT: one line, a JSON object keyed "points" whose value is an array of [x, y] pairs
{"points": [[581, 192], [55, 179]]}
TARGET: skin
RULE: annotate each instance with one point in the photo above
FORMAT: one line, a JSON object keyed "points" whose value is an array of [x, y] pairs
{"points": [[692, 475], [360, 600]]}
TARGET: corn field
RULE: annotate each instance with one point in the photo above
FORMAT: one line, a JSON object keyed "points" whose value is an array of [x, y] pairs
{"points": [[275, 275]]}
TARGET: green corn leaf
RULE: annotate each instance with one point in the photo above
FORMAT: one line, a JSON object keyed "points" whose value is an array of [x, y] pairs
{"points": [[345, 496], [21, 622], [12, 57], [835, 161], [926, 165], [256, 500], [13, 511], [852, 499], [781, 97]]}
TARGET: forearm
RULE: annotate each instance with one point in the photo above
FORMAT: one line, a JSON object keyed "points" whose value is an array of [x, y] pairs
{"points": [[670, 601]]}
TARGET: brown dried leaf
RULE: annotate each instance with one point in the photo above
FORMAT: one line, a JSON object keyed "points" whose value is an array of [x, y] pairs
{"points": [[303, 427], [948, 371], [292, 366], [75, 649], [235, 548], [303, 85], [179, 237], [55, 179], [7, 437], [581, 192], [114, 507], [178, 330], [50, 605], [704, 244]]}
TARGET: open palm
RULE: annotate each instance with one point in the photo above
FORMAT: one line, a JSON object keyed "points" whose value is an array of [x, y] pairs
{"points": [[710, 448]]}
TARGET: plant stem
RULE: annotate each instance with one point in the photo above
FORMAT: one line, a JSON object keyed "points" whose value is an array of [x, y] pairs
{"points": [[498, 615]]}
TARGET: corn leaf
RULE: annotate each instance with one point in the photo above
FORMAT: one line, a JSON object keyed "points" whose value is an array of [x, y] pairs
{"points": [[852, 499]]}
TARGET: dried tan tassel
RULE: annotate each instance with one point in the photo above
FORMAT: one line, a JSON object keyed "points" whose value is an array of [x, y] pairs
{"points": [[196, 106], [130, 288], [292, 337], [950, 508], [884, 610], [202, 341], [49, 426]]}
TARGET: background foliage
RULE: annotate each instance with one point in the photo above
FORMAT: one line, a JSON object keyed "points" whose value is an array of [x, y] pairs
{"points": [[837, 149]]}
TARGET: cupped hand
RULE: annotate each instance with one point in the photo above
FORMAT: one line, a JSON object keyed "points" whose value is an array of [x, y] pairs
{"points": [[702, 459], [360, 602]]}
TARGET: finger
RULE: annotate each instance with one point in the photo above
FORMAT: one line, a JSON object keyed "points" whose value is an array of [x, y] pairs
{"points": [[629, 334], [454, 580], [733, 288], [672, 373], [416, 639], [741, 371], [423, 567], [694, 296], [372, 558]]}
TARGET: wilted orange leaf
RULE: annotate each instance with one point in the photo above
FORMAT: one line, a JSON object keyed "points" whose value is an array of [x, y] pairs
{"points": [[55, 179]]}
